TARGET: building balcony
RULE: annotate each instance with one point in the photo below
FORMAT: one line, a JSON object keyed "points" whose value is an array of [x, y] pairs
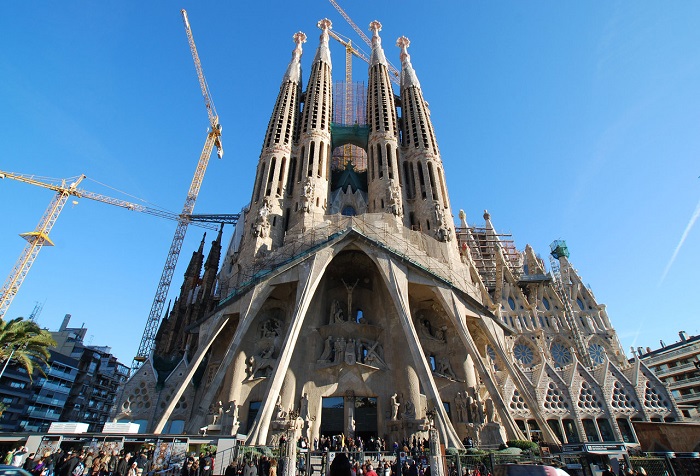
{"points": [[49, 401], [60, 374], [674, 370], [685, 382], [44, 414], [690, 351], [55, 387], [690, 398]]}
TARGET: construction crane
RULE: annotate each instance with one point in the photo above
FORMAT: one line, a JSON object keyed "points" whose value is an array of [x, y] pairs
{"points": [[40, 236], [213, 140], [394, 72]]}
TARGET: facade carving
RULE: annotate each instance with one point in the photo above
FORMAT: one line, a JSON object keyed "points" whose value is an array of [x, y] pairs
{"points": [[351, 297]]}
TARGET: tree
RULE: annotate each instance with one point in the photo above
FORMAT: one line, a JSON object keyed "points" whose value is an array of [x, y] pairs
{"points": [[24, 342]]}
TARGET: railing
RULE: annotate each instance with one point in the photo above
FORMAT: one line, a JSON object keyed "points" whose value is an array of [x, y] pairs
{"points": [[58, 388], [60, 374], [683, 382], [673, 370], [692, 396], [656, 359]]}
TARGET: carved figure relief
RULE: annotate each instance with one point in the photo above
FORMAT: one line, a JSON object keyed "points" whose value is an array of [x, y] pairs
{"points": [[394, 198], [351, 351], [431, 332], [444, 368], [491, 415], [409, 411], [442, 231], [262, 364], [270, 328], [261, 226], [307, 196], [336, 314], [395, 407]]}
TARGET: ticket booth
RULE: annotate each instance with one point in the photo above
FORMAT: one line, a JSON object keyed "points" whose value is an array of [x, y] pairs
{"points": [[594, 456]]}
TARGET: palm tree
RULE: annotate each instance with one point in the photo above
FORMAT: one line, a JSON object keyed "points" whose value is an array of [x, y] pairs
{"points": [[26, 343]]}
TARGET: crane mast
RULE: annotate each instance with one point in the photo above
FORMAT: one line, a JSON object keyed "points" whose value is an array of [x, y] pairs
{"points": [[35, 241], [40, 236], [394, 72], [213, 140]]}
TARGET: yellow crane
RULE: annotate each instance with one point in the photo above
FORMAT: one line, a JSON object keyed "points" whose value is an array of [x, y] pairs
{"points": [[213, 140], [39, 238]]}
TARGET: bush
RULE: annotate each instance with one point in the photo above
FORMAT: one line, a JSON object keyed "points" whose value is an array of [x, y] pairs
{"points": [[524, 445]]}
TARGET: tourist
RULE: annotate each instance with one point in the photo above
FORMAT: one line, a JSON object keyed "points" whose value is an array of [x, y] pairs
{"points": [[133, 470], [273, 467], [340, 466], [250, 469], [123, 464]]}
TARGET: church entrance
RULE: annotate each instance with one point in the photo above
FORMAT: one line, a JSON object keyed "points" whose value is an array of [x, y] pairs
{"points": [[337, 413], [332, 416], [366, 418]]}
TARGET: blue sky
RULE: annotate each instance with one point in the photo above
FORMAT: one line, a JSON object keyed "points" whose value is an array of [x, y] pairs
{"points": [[566, 120]]}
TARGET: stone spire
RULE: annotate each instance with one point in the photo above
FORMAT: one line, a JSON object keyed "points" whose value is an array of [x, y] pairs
{"points": [[211, 268], [309, 197], [266, 217], [383, 177], [427, 203]]}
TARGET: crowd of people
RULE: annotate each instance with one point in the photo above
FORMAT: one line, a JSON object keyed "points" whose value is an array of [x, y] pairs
{"points": [[80, 463]]}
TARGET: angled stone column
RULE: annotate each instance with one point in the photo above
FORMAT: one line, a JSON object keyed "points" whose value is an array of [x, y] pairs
{"points": [[249, 305], [457, 312], [396, 280], [198, 357], [310, 274]]}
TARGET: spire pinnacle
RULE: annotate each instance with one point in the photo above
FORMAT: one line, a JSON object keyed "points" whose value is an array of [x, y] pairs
{"points": [[293, 73], [408, 75], [201, 245], [324, 53], [377, 51]]}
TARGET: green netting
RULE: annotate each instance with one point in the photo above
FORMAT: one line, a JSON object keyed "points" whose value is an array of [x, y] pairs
{"points": [[355, 134], [558, 249]]}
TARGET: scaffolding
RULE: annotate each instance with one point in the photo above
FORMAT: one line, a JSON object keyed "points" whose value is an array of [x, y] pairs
{"points": [[349, 109], [411, 246], [483, 245]]}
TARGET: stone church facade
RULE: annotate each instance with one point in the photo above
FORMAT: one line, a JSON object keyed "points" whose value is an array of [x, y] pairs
{"points": [[349, 301]]}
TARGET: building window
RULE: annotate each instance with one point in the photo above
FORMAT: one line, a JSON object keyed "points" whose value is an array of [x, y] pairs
{"points": [[523, 353], [561, 354], [545, 303], [597, 353], [590, 429]]}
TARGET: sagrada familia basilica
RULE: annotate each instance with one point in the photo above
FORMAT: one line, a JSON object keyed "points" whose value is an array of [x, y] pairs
{"points": [[352, 301]]}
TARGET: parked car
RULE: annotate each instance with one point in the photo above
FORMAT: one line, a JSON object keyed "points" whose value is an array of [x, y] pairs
{"points": [[527, 470], [6, 470]]}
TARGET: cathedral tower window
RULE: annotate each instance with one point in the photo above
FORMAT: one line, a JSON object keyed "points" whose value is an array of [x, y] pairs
{"points": [[258, 186], [380, 165], [408, 177], [320, 159], [286, 219], [301, 166], [421, 179], [389, 161], [431, 177], [270, 177], [280, 181], [292, 173], [310, 169]]}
